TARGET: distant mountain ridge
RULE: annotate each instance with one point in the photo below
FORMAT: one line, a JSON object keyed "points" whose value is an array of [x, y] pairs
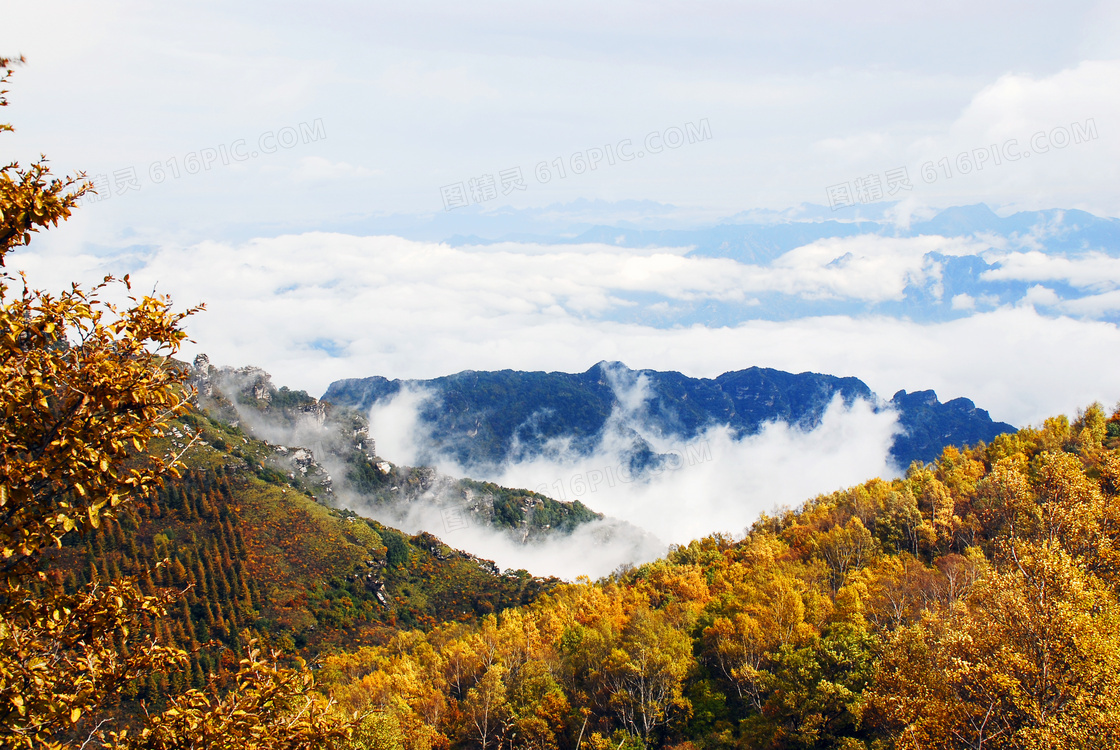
{"points": [[481, 419], [749, 240]]}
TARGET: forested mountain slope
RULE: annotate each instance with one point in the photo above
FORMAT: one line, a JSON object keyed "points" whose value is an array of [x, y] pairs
{"points": [[327, 451], [972, 603], [973, 599], [256, 556], [480, 419]]}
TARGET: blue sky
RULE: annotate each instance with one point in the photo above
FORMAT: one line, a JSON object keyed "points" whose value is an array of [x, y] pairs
{"points": [[256, 156]]}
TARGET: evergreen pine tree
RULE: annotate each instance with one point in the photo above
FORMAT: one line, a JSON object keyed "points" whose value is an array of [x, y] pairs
{"points": [[198, 677]]}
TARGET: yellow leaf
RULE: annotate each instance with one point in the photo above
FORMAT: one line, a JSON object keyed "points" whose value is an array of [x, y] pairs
{"points": [[75, 714]]}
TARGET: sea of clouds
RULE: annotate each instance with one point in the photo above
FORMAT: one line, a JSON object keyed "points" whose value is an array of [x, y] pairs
{"points": [[317, 307]]}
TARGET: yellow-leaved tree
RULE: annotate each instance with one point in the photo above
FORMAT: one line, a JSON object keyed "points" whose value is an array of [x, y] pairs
{"points": [[84, 386]]}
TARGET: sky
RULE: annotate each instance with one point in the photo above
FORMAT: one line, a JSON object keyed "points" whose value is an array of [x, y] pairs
{"points": [[359, 109], [298, 167]]}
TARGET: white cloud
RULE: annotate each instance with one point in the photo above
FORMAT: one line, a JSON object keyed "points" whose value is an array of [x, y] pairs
{"points": [[799, 97], [780, 466], [1030, 142], [1018, 105], [963, 302], [1093, 271], [1041, 296], [511, 280], [1093, 306], [866, 267]]}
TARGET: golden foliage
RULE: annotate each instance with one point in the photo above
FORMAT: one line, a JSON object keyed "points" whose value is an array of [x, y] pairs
{"points": [[269, 708], [972, 603], [84, 386], [62, 657]]}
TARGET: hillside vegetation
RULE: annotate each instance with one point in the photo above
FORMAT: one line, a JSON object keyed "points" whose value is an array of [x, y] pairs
{"points": [[339, 436], [250, 557], [972, 603]]}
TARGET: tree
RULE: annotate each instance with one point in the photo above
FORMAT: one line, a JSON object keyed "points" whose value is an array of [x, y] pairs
{"points": [[486, 707], [846, 548], [85, 386], [1032, 661], [646, 674], [815, 691], [270, 707], [742, 643], [900, 525]]}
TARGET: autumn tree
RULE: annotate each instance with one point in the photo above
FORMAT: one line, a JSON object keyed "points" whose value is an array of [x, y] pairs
{"points": [[84, 387], [487, 708], [763, 617], [646, 674], [846, 548], [1029, 655], [1032, 661]]}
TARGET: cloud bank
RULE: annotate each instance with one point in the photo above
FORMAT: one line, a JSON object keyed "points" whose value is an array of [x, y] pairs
{"points": [[318, 307]]}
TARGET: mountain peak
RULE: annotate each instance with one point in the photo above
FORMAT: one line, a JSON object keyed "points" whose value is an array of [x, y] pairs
{"points": [[608, 365]]}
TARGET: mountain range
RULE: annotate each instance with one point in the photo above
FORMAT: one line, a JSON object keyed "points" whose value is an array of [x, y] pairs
{"points": [[757, 239], [481, 419]]}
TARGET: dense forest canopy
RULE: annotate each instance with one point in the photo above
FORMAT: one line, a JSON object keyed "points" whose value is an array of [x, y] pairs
{"points": [[972, 603]]}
